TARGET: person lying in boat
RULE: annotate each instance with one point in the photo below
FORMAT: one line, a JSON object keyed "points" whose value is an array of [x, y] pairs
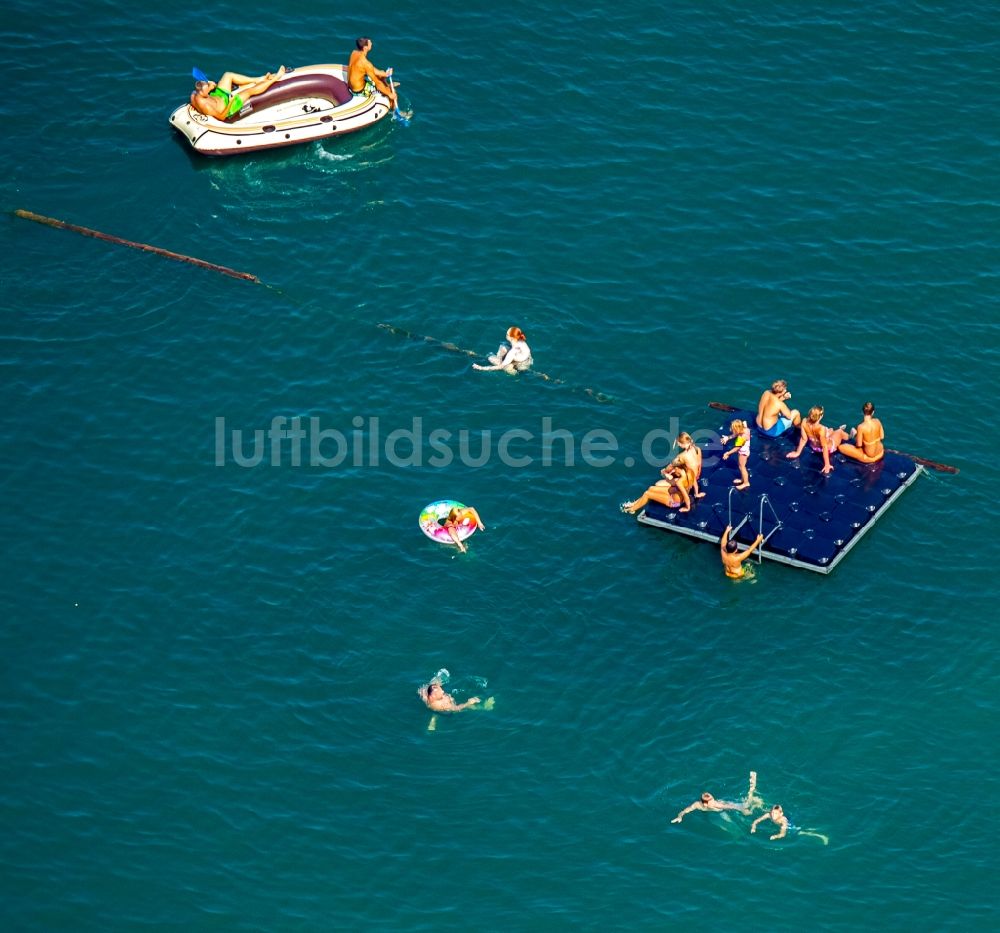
{"points": [[227, 96], [363, 77], [515, 358], [709, 803], [867, 437], [821, 439], [774, 417], [671, 491], [732, 557]]}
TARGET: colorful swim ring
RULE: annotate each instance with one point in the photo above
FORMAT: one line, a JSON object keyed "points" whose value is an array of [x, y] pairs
{"points": [[435, 513]]}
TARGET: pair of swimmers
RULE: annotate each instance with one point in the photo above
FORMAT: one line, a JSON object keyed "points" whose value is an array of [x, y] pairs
{"points": [[775, 814]]}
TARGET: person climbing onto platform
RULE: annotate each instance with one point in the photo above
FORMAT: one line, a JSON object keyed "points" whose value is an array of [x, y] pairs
{"points": [[709, 803], [867, 437], [821, 439], [741, 445], [774, 417], [732, 557]]}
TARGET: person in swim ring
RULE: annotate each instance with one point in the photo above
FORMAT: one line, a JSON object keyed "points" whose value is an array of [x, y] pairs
{"points": [[671, 491], [513, 359], [690, 459], [821, 439], [458, 517], [227, 96], [777, 816], [774, 417], [709, 803], [740, 435]]}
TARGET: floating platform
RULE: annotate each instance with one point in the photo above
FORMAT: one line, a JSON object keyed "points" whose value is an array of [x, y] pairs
{"points": [[808, 519]]}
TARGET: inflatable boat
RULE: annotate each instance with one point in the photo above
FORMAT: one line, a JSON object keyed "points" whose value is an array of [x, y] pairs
{"points": [[307, 103]]}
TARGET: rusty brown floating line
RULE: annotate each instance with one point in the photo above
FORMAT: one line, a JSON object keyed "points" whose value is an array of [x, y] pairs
{"points": [[454, 348], [145, 247], [933, 464]]}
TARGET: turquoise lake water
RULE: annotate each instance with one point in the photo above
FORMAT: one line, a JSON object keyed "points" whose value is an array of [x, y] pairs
{"points": [[208, 691]]}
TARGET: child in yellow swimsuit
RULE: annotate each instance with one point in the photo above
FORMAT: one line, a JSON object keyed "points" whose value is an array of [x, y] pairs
{"points": [[740, 434]]}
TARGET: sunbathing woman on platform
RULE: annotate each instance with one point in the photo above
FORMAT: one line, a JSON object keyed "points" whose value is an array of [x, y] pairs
{"points": [[821, 439], [671, 491]]}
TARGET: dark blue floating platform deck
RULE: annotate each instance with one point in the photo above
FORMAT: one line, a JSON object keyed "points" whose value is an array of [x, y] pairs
{"points": [[808, 519]]}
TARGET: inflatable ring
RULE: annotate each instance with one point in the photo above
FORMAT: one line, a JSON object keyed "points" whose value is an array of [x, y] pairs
{"points": [[435, 513]]}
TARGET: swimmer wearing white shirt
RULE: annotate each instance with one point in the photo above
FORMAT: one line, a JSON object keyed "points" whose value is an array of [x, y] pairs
{"points": [[513, 359]]}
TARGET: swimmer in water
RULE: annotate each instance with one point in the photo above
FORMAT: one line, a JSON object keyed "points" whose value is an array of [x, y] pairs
{"points": [[513, 359], [777, 816], [434, 695], [732, 557], [458, 517], [710, 804]]}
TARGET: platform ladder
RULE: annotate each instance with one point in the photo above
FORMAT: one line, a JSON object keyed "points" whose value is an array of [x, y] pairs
{"points": [[764, 500]]}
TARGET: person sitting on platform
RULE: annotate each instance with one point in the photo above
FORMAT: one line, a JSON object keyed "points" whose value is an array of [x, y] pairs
{"points": [[732, 557], [690, 458], [868, 437], [227, 96], [671, 491], [741, 445], [821, 439], [457, 517], [515, 358], [363, 77], [774, 417]]}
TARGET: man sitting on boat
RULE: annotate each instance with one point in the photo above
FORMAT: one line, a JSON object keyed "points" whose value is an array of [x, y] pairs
{"points": [[221, 100], [363, 77]]}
